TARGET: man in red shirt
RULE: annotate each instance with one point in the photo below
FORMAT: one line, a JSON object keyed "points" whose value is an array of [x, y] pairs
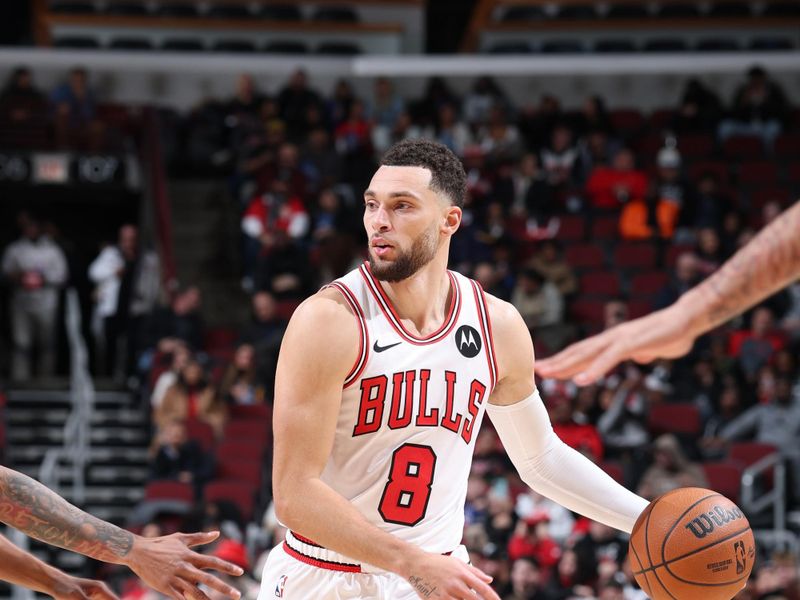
{"points": [[608, 187]]}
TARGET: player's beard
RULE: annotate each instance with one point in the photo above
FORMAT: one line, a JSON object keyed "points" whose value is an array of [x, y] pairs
{"points": [[407, 262]]}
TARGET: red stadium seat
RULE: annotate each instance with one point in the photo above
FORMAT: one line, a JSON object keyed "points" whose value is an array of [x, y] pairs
{"points": [[673, 252], [746, 453], [605, 228], [164, 489], [758, 173], [588, 311], [241, 493], [584, 256], [627, 121], [698, 146], [241, 449], [629, 255], [661, 118], [674, 418], [244, 429], [760, 197], [716, 168], [248, 471], [787, 144], [201, 432], [649, 283], [639, 308], [251, 411], [285, 308], [220, 338], [725, 478], [793, 172], [614, 469], [571, 228], [743, 147], [600, 284]]}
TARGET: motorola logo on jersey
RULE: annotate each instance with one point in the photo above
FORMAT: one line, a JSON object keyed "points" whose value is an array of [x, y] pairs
{"points": [[468, 341]]}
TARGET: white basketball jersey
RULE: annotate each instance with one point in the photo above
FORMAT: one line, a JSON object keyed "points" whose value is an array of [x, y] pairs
{"points": [[411, 411]]}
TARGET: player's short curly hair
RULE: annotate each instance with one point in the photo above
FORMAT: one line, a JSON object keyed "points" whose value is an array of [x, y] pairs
{"points": [[447, 172]]}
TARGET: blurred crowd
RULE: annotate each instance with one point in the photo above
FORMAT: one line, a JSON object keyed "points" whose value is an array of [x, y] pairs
{"points": [[296, 163]]}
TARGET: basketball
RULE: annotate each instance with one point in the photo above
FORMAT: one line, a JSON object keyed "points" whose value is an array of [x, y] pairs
{"points": [[692, 543]]}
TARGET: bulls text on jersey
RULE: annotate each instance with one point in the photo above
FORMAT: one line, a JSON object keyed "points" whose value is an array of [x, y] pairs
{"points": [[408, 394]]}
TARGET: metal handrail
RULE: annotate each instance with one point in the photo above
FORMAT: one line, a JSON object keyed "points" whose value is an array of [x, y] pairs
{"points": [[77, 429], [775, 498]]}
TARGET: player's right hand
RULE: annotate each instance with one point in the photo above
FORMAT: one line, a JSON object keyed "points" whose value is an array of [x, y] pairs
{"points": [[167, 565], [447, 578], [663, 334], [75, 588]]}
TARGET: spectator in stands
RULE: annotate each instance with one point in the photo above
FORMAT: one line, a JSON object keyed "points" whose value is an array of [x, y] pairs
{"points": [[790, 323], [283, 268], [774, 421], [700, 109], [235, 552], [20, 99], [192, 397], [449, 130], [709, 251], [593, 116], [35, 269], [294, 102], [320, 164], [549, 262], [338, 106], [611, 187], [597, 150], [484, 96], [332, 235], [179, 356], [386, 105], [601, 543], [239, 383], [73, 101], [404, 128], [671, 469], [707, 206], [128, 285], [530, 538], [685, 275], [541, 306], [437, 92], [523, 189], [614, 313], [561, 158], [672, 191], [583, 437], [353, 141], [178, 457], [264, 333], [179, 322], [560, 520], [754, 347], [499, 139], [246, 101], [729, 407], [571, 577], [527, 580], [759, 108], [273, 214], [536, 123]]}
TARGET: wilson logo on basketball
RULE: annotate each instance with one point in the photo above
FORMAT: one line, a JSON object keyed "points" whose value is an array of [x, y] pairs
{"points": [[717, 517]]}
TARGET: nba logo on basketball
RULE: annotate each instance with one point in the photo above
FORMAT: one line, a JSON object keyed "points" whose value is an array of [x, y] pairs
{"points": [[741, 558], [279, 587]]}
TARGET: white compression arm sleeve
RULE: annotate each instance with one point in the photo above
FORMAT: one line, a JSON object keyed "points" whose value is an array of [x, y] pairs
{"points": [[555, 470]]}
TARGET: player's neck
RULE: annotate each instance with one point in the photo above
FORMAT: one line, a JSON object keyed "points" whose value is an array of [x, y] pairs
{"points": [[422, 300]]}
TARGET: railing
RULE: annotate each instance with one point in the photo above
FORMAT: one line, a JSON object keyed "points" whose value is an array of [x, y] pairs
{"points": [[77, 429], [774, 499]]}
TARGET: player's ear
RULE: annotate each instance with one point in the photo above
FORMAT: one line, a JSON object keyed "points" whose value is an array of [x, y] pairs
{"points": [[452, 220]]}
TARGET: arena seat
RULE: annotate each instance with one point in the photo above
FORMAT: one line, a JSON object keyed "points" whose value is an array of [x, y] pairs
{"points": [[772, 43], [183, 45], [605, 228], [724, 477], [522, 13], [240, 493], [131, 43], [761, 196], [600, 284], [682, 418], [718, 45], [584, 256], [512, 47], [612, 46], [746, 453], [782, 9], [562, 47], [238, 46], [577, 12], [201, 432], [252, 449], [73, 8], [251, 411], [757, 173], [745, 147], [627, 121], [717, 168], [669, 10], [787, 145], [246, 429], [178, 9], [665, 45], [280, 12], [248, 471], [633, 255], [586, 310], [730, 9], [286, 47], [76, 41], [336, 14], [127, 9], [165, 489], [661, 118], [638, 307], [338, 48], [649, 283], [229, 11], [627, 11], [696, 146], [571, 228]]}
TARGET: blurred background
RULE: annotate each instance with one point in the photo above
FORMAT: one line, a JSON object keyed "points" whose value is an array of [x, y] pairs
{"points": [[176, 176]]}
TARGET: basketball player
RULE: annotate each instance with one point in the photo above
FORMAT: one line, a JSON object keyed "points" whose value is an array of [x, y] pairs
{"points": [[382, 382], [164, 563], [768, 263]]}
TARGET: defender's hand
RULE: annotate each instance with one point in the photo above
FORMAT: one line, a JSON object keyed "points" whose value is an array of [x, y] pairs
{"points": [[447, 578]]}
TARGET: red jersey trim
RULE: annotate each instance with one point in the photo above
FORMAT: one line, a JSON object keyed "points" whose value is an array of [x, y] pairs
{"points": [[391, 315], [486, 329], [322, 564], [305, 540], [363, 341]]}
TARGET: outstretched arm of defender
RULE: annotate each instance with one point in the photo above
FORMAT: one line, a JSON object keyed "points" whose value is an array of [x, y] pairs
{"points": [[543, 461], [768, 263], [165, 563], [318, 350]]}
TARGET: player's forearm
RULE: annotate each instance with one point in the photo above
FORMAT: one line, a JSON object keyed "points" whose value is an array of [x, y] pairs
{"points": [[314, 510], [21, 568], [765, 265], [27, 505]]}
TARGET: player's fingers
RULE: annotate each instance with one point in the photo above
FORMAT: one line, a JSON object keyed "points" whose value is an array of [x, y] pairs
{"points": [[483, 589], [195, 576], [573, 359], [199, 538], [174, 593], [102, 592], [202, 561], [601, 365], [477, 572], [191, 592]]}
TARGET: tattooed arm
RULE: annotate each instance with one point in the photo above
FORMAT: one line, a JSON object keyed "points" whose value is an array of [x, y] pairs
{"points": [[21, 568], [164, 563], [769, 262]]}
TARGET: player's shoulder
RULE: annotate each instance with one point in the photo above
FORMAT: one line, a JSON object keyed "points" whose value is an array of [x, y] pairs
{"points": [[502, 314], [327, 309]]}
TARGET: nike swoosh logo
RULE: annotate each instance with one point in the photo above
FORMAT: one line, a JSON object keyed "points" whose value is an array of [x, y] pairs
{"points": [[378, 348]]}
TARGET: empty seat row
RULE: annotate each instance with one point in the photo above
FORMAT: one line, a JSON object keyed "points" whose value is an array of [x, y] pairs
{"points": [[575, 46], [276, 12], [197, 45], [726, 9]]}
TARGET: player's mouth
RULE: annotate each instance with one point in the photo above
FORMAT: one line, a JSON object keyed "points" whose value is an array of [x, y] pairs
{"points": [[381, 247]]}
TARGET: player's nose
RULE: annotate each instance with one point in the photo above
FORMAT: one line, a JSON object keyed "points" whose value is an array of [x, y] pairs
{"points": [[380, 219]]}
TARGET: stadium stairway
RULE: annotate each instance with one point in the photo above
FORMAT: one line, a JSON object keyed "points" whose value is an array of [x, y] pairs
{"points": [[117, 470], [207, 247]]}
